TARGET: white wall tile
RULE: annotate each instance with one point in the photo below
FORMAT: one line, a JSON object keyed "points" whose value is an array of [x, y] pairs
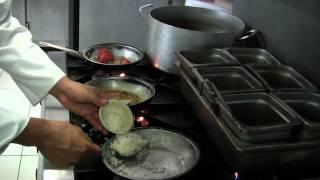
{"points": [[13, 150], [28, 168], [9, 167], [29, 150]]}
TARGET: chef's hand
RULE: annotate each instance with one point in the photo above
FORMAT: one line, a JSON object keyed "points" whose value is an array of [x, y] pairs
{"points": [[61, 143], [81, 99]]}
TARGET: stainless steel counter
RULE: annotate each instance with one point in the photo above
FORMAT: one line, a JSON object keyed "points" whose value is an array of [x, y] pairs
{"points": [[52, 109]]}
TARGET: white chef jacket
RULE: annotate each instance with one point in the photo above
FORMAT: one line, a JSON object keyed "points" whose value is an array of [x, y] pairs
{"points": [[30, 68]]}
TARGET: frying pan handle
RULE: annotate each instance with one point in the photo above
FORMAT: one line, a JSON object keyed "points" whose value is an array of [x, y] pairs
{"points": [[71, 51], [143, 10]]}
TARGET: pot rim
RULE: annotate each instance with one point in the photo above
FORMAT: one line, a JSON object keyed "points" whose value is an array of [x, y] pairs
{"points": [[240, 23]]}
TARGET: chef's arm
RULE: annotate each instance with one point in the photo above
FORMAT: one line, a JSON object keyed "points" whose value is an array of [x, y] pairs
{"points": [[34, 72], [61, 143], [36, 75]]}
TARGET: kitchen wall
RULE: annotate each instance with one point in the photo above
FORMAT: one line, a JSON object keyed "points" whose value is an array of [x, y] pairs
{"points": [[47, 20], [220, 5], [118, 21], [290, 28]]}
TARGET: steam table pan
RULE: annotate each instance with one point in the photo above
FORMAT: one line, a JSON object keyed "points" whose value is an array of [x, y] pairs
{"points": [[252, 56], [231, 79], [306, 107], [205, 58], [257, 117], [248, 156], [281, 78]]}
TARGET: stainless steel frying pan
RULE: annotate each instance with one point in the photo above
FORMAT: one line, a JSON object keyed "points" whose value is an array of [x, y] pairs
{"points": [[167, 155], [119, 50], [132, 85]]}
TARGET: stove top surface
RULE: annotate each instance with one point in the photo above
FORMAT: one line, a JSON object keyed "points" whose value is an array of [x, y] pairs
{"points": [[167, 109]]}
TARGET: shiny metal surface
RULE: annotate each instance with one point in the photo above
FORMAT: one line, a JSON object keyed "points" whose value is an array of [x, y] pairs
{"points": [[71, 51], [167, 155], [119, 50], [115, 21], [206, 58], [281, 78], [141, 88], [52, 109], [132, 54], [258, 117], [226, 80], [306, 107], [253, 56], [245, 156], [176, 28]]}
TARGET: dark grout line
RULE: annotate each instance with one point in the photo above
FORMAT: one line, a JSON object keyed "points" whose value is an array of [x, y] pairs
{"points": [[19, 166], [21, 163]]}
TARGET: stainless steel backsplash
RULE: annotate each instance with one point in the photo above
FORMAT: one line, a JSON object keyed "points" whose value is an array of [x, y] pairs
{"points": [[291, 30]]}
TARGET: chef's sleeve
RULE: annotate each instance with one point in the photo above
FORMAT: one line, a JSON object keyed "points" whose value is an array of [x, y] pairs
{"points": [[30, 68]]}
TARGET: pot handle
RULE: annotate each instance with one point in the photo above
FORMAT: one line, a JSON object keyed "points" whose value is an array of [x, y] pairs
{"points": [[252, 38], [71, 51], [249, 34], [143, 9]]}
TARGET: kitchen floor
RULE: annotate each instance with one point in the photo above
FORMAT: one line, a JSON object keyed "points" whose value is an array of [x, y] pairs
{"points": [[17, 162]]}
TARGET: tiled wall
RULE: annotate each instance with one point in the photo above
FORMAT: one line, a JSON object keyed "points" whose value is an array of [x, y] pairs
{"points": [[17, 162]]}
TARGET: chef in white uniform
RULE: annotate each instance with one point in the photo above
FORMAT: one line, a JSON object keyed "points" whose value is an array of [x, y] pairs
{"points": [[36, 75]]}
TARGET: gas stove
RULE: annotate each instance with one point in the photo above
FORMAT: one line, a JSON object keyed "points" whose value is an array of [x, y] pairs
{"points": [[167, 109]]}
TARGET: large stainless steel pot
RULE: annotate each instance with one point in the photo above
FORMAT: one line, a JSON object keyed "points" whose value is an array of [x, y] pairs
{"points": [[176, 28]]}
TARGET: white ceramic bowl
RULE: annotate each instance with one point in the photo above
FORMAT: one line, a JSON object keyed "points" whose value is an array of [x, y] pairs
{"points": [[116, 117]]}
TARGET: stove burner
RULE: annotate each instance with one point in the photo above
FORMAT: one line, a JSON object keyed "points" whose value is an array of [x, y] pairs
{"points": [[141, 121]]}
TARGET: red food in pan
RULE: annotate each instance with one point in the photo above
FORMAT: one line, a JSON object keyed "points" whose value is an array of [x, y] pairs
{"points": [[105, 56], [124, 60]]}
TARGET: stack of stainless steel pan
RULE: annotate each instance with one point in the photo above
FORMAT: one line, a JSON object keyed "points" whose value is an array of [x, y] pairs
{"points": [[259, 112]]}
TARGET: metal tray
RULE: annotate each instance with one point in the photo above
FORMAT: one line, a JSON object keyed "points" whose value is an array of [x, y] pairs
{"points": [[228, 80], [258, 117], [205, 58], [306, 107], [252, 56], [281, 78], [242, 155]]}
